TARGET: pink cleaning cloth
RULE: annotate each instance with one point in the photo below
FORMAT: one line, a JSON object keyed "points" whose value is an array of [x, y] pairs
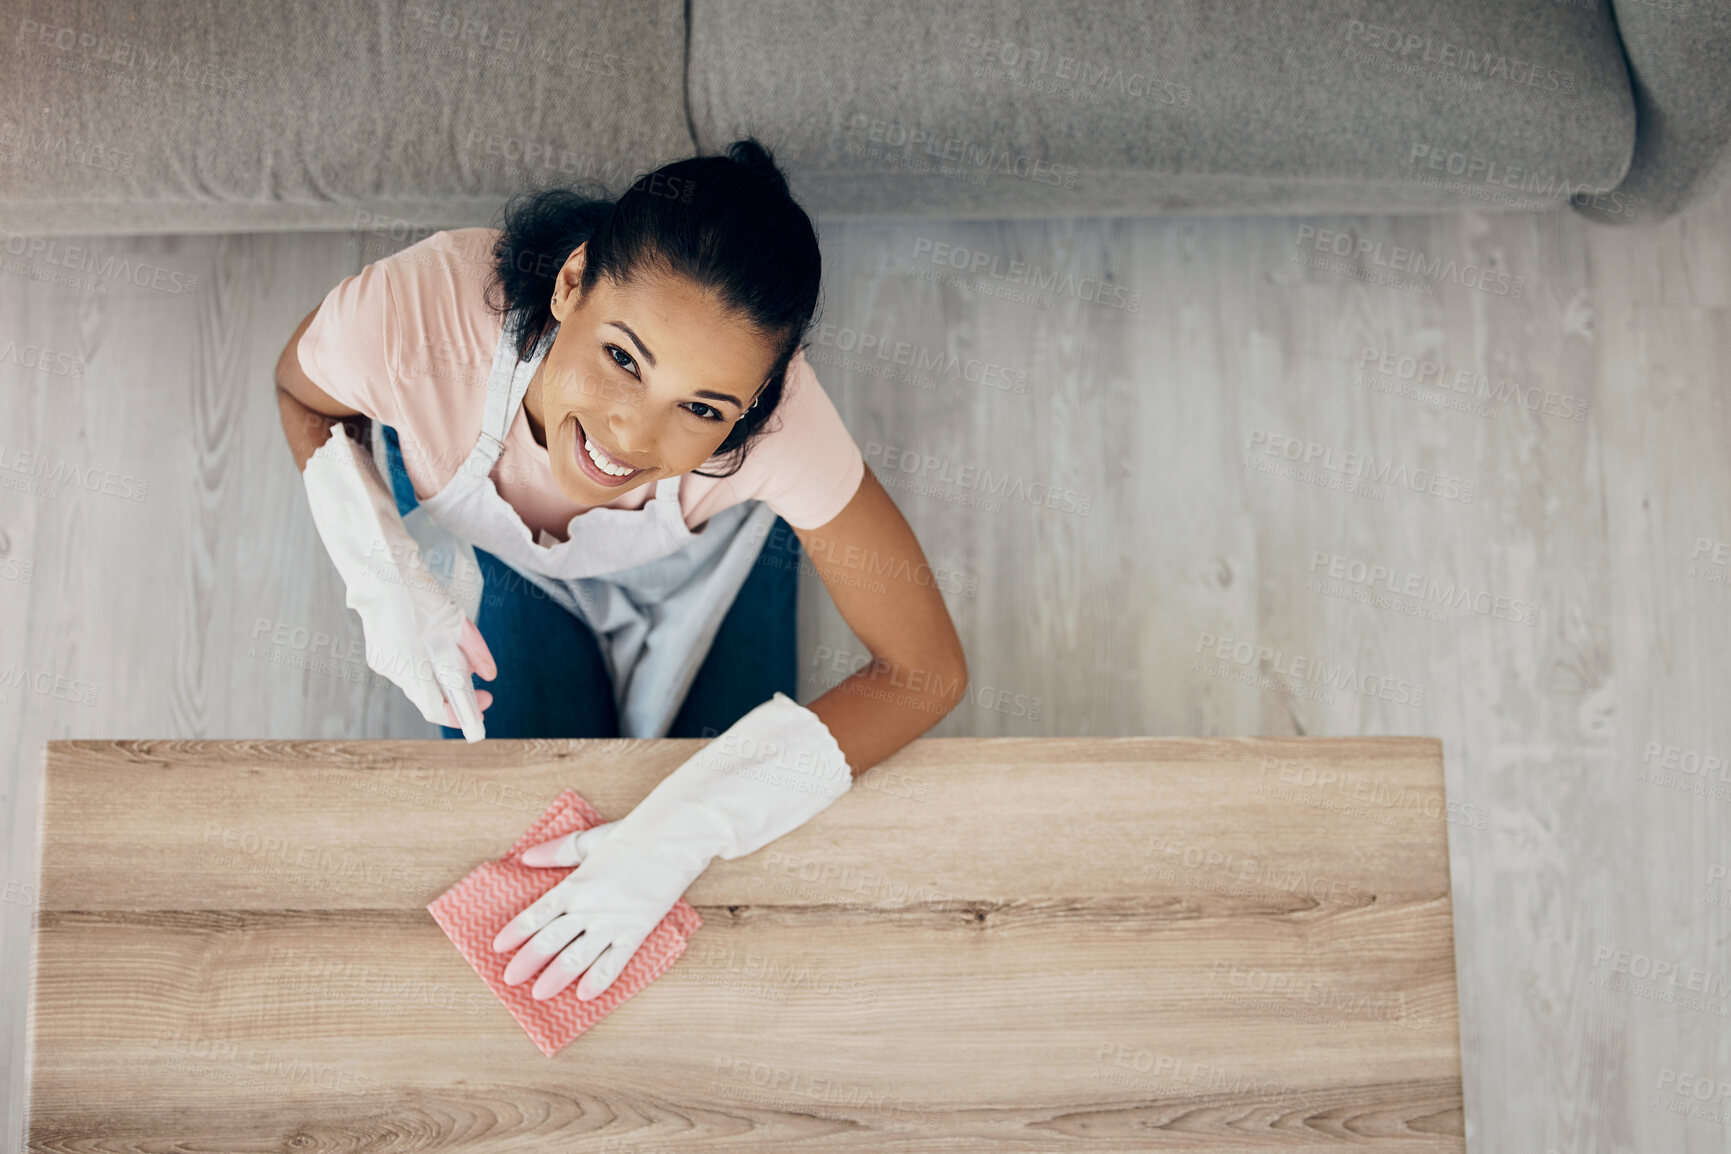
{"points": [[473, 911]]}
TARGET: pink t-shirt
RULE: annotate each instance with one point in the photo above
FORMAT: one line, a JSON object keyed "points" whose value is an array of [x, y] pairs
{"points": [[409, 341]]}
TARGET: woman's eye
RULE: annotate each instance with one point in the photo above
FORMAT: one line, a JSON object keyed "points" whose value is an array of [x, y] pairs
{"points": [[711, 413], [627, 363]]}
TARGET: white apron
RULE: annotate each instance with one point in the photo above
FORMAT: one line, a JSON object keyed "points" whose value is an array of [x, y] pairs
{"points": [[653, 592]]}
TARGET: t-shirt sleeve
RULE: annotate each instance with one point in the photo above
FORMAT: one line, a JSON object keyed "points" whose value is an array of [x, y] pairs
{"points": [[349, 348], [807, 468]]}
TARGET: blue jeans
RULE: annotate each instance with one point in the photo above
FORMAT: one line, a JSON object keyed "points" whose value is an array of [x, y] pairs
{"points": [[553, 680]]}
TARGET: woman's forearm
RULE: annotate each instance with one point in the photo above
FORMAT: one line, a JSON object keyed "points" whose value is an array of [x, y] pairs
{"points": [[884, 706], [305, 429], [918, 672]]}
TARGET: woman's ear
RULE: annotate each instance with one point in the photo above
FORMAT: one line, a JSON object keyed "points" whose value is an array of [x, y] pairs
{"points": [[569, 281]]}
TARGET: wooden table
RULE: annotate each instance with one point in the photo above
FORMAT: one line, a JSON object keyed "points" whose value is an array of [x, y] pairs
{"points": [[1011, 944]]}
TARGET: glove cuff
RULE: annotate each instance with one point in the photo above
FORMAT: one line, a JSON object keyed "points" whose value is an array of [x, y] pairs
{"points": [[770, 772], [411, 622], [784, 745], [352, 506]]}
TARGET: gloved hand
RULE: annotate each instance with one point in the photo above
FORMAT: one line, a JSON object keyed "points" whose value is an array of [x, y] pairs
{"points": [[770, 772], [416, 635]]}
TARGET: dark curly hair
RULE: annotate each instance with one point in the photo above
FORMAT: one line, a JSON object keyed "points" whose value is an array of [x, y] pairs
{"points": [[727, 223]]}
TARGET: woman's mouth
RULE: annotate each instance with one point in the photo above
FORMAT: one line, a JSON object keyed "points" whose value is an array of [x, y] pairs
{"points": [[597, 463]]}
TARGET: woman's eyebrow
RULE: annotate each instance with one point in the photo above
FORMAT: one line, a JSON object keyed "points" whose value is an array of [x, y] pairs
{"points": [[647, 355], [715, 396]]}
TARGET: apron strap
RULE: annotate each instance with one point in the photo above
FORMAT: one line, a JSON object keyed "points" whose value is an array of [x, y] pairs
{"points": [[507, 384]]}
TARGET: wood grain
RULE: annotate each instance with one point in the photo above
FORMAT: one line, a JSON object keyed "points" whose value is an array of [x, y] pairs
{"points": [[1013, 943]]}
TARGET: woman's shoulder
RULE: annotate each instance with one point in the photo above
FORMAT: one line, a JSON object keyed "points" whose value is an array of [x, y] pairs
{"points": [[452, 263], [806, 465], [444, 326], [440, 340], [469, 249], [443, 274]]}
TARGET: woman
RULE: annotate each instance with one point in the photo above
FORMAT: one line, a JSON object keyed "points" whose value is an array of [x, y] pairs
{"points": [[626, 343]]}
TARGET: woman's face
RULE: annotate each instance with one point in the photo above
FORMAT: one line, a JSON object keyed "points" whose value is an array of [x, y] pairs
{"points": [[649, 377]]}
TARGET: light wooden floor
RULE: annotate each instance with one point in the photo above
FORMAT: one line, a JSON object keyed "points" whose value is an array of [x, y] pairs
{"points": [[1575, 875]]}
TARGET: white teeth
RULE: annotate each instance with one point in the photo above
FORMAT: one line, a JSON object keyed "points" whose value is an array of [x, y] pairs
{"points": [[602, 463]]}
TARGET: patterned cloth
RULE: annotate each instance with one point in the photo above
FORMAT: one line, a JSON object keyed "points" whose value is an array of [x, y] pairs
{"points": [[473, 911]]}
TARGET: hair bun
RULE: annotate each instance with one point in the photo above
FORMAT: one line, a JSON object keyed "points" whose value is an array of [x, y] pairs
{"points": [[754, 157]]}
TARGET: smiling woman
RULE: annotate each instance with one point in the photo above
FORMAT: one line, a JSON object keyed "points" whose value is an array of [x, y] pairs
{"points": [[617, 417], [678, 316], [644, 379]]}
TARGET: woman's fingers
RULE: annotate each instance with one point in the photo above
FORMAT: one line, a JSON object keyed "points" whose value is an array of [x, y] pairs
{"points": [[465, 707], [464, 711], [561, 851], [530, 922], [609, 965], [482, 698], [543, 947], [474, 647], [573, 961], [569, 850]]}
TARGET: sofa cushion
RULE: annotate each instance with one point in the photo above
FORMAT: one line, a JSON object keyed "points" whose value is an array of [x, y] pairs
{"points": [[975, 108], [1679, 54], [134, 116]]}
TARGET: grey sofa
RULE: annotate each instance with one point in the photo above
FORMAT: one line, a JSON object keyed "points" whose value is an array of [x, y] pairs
{"points": [[166, 116]]}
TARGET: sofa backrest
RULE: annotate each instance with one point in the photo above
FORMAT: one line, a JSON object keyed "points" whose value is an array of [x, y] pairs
{"points": [[149, 116]]}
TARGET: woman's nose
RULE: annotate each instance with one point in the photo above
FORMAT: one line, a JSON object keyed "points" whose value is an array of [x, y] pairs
{"points": [[633, 434]]}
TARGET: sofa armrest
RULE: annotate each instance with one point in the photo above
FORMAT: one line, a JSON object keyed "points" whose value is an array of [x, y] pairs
{"points": [[1679, 57]]}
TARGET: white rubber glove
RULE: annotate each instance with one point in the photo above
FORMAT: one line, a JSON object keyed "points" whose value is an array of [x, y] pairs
{"points": [[770, 772], [416, 635]]}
